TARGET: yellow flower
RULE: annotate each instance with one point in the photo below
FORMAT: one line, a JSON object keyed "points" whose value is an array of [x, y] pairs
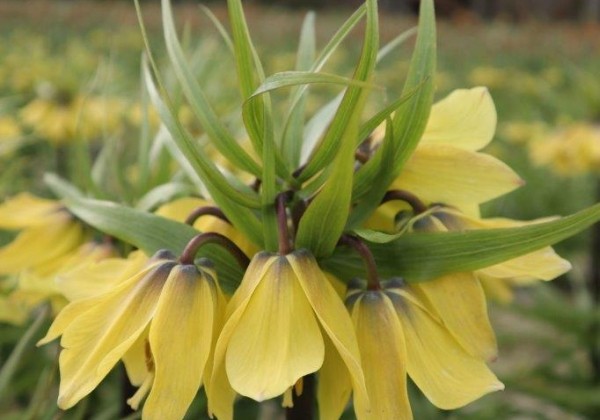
{"points": [[569, 151], [277, 323], [498, 279], [398, 335], [48, 232], [447, 166], [167, 312]]}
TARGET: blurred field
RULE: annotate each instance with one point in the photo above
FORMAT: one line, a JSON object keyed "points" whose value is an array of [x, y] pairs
{"points": [[543, 77]]}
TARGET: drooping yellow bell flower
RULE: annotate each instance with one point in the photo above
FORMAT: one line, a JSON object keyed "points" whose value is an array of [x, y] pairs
{"points": [[398, 336], [275, 332], [447, 165], [47, 232], [543, 264], [176, 305]]}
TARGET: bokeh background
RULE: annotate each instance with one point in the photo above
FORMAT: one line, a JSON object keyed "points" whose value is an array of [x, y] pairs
{"points": [[71, 70]]}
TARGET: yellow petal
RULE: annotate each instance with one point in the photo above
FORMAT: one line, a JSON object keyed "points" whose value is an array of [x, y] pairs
{"points": [[459, 301], [334, 386], [543, 264], [138, 360], [181, 340], [333, 317], [25, 210], [220, 393], [181, 208], [466, 119], [277, 340], [383, 354], [499, 290], [96, 278], [95, 340], [437, 363], [446, 174], [39, 245]]}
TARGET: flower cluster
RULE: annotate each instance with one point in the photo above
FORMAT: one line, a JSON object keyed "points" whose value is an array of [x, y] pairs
{"points": [[317, 280]]}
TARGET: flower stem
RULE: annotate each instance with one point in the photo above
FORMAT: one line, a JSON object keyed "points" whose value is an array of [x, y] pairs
{"points": [[417, 205], [198, 241], [206, 211], [367, 257], [282, 224]]}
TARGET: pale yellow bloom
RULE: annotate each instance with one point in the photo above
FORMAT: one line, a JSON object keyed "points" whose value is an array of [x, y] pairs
{"points": [[447, 165], [278, 322], [164, 314], [399, 336], [569, 151]]}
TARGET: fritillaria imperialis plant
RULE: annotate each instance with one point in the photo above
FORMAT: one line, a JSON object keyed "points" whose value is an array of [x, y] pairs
{"points": [[354, 258]]}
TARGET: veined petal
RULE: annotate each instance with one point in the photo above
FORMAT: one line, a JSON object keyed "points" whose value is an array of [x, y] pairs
{"points": [[220, 394], [181, 336], [40, 244], [99, 337], [446, 174], [99, 277], [543, 264], [383, 354], [466, 119], [459, 301], [496, 289], [25, 210], [441, 368], [333, 317], [277, 340], [334, 386], [138, 360]]}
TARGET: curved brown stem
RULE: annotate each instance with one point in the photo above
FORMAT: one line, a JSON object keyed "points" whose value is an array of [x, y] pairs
{"points": [[417, 205], [367, 257], [191, 249], [206, 211]]}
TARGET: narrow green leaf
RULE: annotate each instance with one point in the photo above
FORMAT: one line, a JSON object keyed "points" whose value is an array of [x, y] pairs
{"points": [[327, 51], [10, 366], [295, 78], [316, 126], [324, 220], [332, 140], [216, 131], [424, 256], [163, 194], [293, 128], [409, 120], [232, 201], [220, 28], [151, 233]]}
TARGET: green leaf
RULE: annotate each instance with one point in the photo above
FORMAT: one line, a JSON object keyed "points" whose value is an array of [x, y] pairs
{"points": [[232, 201], [11, 364], [163, 194], [409, 120], [424, 256], [323, 222], [220, 28], [295, 78], [149, 232], [293, 131], [216, 131]]}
